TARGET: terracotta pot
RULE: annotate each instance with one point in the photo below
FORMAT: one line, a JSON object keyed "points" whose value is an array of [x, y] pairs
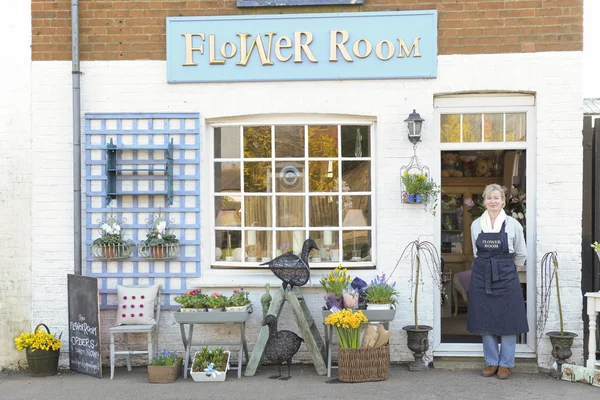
{"points": [[110, 251], [157, 251]]}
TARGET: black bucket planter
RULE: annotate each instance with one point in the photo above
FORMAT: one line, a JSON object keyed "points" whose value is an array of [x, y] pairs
{"points": [[561, 348], [42, 362], [418, 343]]}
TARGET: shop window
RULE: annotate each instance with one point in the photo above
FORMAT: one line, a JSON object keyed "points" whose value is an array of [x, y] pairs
{"points": [[483, 127], [276, 185]]}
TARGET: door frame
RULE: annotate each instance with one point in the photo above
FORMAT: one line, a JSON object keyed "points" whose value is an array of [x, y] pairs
{"points": [[491, 103]]}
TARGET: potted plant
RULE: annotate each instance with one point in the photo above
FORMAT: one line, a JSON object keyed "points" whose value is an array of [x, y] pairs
{"points": [[561, 340], [420, 253], [420, 189], [110, 244], [215, 302], [41, 349], [210, 365], [380, 294], [165, 367], [238, 301], [334, 284], [356, 364], [160, 243], [192, 301]]}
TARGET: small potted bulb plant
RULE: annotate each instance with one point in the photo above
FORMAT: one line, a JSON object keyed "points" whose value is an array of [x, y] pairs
{"points": [[381, 295], [238, 301], [165, 367], [210, 365]]}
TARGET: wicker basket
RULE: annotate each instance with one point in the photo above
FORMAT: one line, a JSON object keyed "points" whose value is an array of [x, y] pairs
{"points": [[363, 365]]}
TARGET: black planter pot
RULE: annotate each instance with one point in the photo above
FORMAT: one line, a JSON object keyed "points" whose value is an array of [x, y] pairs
{"points": [[418, 343], [561, 348]]}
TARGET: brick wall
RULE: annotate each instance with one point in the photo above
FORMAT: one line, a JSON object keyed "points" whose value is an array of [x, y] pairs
{"points": [[135, 29]]}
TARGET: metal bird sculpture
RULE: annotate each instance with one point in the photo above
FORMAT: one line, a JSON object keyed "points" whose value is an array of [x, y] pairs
{"points": [[291, 269], [281, 346], [265, 300]]}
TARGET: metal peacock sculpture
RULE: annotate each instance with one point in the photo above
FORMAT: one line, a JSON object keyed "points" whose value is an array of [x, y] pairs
{"points": [[281, 346], [291, 269]]}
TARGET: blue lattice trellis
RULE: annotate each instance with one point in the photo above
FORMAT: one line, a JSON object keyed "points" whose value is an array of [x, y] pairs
{"points": [[140, 140]]}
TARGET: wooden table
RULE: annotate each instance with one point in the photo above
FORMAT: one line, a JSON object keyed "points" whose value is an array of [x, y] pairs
{"points": [[374, 317], [215, 317]]}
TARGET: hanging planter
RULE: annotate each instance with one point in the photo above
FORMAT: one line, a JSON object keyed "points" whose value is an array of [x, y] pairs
{"points": [[110, 245], [160, 243], [417, 185]]}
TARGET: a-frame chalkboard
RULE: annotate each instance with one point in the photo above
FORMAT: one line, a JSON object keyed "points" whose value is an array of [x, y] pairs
{"points": [[84, 325]]}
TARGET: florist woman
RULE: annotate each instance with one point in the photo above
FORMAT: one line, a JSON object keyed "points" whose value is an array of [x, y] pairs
{"points": [[496, 306]]}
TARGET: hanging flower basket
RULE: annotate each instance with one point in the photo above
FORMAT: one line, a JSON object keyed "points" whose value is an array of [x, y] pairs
{"points": [[160, 251], [112, 251]]}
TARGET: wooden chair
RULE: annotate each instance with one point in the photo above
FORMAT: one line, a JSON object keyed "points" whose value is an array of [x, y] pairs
{"points": [[150, 329]]}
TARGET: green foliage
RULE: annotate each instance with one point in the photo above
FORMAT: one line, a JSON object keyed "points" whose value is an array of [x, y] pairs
{"points": [[380, 292], [160, 234], [204, 357], [238, 298], [166, 358], [336, 281], [192, 299], [216, 300], [110, 234], [420, 184]]}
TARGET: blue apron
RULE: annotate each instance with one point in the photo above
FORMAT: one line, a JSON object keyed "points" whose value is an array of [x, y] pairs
{"points": [[496, 303]]}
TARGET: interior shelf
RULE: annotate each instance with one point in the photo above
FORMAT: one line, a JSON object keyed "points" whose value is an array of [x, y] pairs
{"points": [[160, 167]]}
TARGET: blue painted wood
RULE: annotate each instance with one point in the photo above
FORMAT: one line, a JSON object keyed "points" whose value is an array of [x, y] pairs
{"points": [[284, 3], [140, 130]]}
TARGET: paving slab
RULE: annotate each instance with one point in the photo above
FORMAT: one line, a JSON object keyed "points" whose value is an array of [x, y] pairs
{"points": [[305, 383]]}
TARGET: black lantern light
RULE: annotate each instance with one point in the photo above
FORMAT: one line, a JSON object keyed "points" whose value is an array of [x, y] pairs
{"points": [[415, 122]]}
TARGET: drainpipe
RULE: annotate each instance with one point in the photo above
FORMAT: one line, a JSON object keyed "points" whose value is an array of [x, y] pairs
{"points": [[76, 74]]}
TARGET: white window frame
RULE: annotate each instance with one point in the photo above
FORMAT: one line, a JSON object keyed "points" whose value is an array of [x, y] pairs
{"points": [[257, 277], [493, 103]]}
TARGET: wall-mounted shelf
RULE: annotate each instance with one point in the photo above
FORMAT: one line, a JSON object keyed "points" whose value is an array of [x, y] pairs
{"points": [[162, 167]]}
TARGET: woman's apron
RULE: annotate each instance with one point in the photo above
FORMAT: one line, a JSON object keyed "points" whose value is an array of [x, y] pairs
{"points": [[495, 298]]}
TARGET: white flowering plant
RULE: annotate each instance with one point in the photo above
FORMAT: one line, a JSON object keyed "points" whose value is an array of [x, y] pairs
{"points": [[160, 234], [110, 234]]}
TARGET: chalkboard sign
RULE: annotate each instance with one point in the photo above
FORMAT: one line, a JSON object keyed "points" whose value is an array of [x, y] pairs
{"points": [[84, 325]]}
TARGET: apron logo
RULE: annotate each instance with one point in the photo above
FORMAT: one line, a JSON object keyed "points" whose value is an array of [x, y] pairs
{"points": [[491, 244]]}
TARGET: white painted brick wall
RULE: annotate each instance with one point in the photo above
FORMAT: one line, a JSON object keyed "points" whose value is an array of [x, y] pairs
{"points": [[15, 179], [139, 86]]}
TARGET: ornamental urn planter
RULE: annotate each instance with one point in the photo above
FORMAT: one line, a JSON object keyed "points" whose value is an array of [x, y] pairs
{"points": [[164, 373], [561, 348], [418, 343]]}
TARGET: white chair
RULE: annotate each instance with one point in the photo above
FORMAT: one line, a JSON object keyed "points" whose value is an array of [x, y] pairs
{"points": [[150, 329]]}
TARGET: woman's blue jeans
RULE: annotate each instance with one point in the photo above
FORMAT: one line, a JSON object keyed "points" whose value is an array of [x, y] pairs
{"points": [[506, 356]]}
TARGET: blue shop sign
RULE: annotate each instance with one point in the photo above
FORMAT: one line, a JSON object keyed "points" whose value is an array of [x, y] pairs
{"points": [[381, 45]]}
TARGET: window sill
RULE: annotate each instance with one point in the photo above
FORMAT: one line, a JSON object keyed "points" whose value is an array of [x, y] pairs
{"points": [[225, 278]]}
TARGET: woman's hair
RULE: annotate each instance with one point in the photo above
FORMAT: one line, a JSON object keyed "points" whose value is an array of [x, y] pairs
{"points": [[494, 187]]}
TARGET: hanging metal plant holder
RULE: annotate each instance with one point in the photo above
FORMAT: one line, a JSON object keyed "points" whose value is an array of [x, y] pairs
{"points": [[111, 245], [160, 243], [417, 185]]}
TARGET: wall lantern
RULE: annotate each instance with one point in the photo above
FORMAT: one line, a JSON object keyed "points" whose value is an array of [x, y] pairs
{"points": [[415, 122]]}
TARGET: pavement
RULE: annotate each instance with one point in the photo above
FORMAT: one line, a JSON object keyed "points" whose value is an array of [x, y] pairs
{"points": [[305, 383]]}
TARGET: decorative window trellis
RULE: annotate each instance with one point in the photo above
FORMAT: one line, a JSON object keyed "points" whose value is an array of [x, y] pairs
{"points": [[148, 145]]}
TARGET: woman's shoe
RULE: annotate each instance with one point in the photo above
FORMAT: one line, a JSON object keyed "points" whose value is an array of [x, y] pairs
{"points": [[503, 373], [490, 370]]}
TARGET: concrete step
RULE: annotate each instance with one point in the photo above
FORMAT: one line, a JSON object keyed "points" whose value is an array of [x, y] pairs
{"points": [[522, 365]]}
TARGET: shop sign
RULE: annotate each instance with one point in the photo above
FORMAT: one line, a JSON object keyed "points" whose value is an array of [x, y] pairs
{"points": [[382, 45]]}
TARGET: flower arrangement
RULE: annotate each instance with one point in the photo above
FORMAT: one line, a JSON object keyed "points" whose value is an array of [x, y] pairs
{"points": [[380, 291], [218, 357], [336, 281], [165, 358], [347, 324], [160, 242], [39, 340], [239, 298], [110, 244], [425, 190], [192, 299], [216, 300]]}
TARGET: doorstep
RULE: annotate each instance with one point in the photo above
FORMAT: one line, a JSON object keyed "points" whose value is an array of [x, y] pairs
{"points": [[522, 365]]}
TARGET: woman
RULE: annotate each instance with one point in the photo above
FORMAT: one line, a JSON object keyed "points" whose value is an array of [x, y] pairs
{"points": [[496, 306]]}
